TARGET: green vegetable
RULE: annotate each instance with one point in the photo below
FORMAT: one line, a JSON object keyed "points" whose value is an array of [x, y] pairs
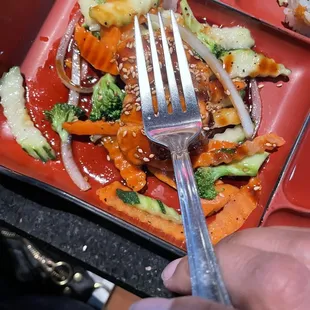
{"points": [[13, 101], [130, 198], [150, 205], [96, 34], [199, 29], [61, 113], [245, 62], [107, 100], [206, 176], [235, 135]]}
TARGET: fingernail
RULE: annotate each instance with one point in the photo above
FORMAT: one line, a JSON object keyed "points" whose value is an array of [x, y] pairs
{"points": [[170, 269], [152, 304]]}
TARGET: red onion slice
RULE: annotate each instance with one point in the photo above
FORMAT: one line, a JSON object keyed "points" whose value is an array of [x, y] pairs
{"points": [[256, 111], [71, 167], [61, 54], [170, 5], [217, 67]]}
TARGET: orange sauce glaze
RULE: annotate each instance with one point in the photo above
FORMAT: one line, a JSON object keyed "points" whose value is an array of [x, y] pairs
{"points": [[47, 90]]}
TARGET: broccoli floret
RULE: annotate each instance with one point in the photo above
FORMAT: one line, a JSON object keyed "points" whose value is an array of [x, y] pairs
{"points": [[206, 176], [61, 113], [107, 100], [193, 24]]}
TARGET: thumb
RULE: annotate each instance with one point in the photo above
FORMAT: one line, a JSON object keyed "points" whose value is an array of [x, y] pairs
{"points": [[181, 303]]}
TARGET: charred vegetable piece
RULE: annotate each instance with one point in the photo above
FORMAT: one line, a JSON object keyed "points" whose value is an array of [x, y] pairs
{"points": [[61, 113], [12, 95], [206, 176], [107, 100]]}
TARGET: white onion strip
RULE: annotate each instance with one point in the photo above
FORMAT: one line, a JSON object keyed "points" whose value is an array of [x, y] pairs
{"points": [[61, 54], [71, 167], [66, 150], [74, 96], [217, 67], [256, 112]]}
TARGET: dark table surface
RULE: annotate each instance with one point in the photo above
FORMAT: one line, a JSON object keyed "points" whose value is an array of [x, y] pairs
{"points": [[53, 222]]}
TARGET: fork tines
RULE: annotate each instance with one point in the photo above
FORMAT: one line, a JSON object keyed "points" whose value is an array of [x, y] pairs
{"points": [[185, 76]]}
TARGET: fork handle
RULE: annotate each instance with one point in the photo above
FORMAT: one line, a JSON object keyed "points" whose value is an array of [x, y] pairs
{"points": [[205, 275]]}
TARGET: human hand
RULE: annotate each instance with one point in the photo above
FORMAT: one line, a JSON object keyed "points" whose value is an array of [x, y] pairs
{"points": [[263, 269]]}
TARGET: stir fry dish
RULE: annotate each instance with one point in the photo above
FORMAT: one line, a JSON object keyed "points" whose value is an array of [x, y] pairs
{"points": [[96, 60]]}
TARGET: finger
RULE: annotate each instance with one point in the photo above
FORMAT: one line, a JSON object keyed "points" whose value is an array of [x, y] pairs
{"points": [[255, 279], [182, 303], [293, 242]]}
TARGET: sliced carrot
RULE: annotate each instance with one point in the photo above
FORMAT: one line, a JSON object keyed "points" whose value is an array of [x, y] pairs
{"points": [[164, 176], [217, 145], [108, 196], [225, 191], [236, 211], [87, 128], [268, 142], [134, 144], [110, 36], [133, 175], [100, 55]]}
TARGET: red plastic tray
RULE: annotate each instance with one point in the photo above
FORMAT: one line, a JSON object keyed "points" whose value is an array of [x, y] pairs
{"points": [[284, 111]]}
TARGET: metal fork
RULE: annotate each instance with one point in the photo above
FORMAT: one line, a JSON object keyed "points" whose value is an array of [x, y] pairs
{"points": [[176, 131]]}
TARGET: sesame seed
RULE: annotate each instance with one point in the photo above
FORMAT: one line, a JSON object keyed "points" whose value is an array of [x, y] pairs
{"points": [[185, 47], [149, 69], [124, 59], [134, 134], [206, 128], [125, 76], [257, 188], [132, 57], [125, 133], [108, 158], [227, 92], [191, 53], [140, 151], [274, 145], [143, 132], [136, 155], [136, 89], [261, 85], [171, 50], [192, 66], [120, 66], [268, 144], [112, 60], [146, 159], [151, 156], [197, 57], [125, 70], [153, 92], [138, 99], [137, 94], [132, 69], [138, 108], [133, 74], [126, 112], [279, 85]]}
